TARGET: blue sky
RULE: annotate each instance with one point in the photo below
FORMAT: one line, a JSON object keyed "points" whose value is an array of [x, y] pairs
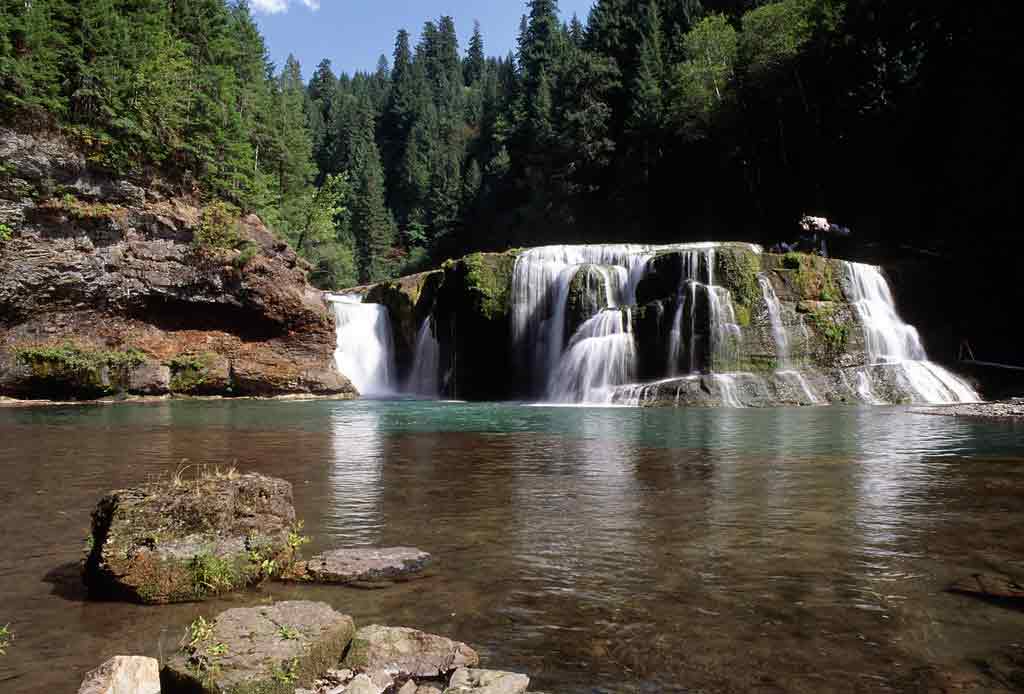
{"points": [[354, 33]]}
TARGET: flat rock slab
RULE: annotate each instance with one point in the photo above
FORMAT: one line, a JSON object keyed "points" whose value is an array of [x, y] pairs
{"points": [[362, 565], [404, 652], [186, 540], [269, 650], [473, 681], [123, 674], [990, 586]]}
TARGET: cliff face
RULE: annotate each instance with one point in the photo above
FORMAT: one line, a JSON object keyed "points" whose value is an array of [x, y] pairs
{"points": [[103, 291]]}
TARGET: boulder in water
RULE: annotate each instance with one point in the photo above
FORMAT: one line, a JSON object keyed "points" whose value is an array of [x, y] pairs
{"points": [[362, 565], [271, 650], [993, 586], [186, 540], [404, 652], [473, 681], [123, 674]]}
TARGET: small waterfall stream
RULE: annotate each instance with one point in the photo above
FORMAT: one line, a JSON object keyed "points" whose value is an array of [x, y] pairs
{"points": [[364, 352], [890, 341], [424, 379]]}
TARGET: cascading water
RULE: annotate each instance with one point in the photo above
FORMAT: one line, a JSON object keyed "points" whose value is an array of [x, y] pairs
{"points": [[890, 341], [364, 352], [781, 338], [601, 355], [424, 378], [540, 293]]}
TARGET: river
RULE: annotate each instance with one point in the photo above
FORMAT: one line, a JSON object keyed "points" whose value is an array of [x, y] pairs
{"points": [[597, 549]]}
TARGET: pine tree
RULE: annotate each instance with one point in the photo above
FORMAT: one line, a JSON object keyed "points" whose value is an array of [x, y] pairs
{"points": [[475, 58]]}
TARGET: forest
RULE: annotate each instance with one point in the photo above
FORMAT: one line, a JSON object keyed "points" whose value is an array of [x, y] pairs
{"points": [[648, 120]]}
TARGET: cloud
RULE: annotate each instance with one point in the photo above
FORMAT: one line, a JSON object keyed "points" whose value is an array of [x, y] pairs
{"points": [[279, 6]]}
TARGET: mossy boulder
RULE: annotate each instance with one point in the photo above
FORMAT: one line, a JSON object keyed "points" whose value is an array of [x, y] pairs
{"points": [[588, 296], [188, 540], [806, 277], [472, 314], [70, 371], [201, 373], [258, 650], [409, 301]]}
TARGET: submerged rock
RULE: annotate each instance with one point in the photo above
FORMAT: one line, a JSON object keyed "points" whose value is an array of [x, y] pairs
{"points": [[471, 681], [990, 586], [404, 652], [270, 650], [123, 674], [362, 565], [179, 541]]}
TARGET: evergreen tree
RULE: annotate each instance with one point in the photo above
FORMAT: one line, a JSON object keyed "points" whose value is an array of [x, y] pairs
{"points": [[475, 59]]}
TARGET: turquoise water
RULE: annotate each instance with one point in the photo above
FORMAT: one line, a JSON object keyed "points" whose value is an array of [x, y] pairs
{"points": [[599, 550]]}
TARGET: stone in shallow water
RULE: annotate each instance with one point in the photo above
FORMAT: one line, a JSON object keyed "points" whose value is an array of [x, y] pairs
{"points": [[469, 681], [123, 674], [178, 541], [362, 565], [270, 650], [990, 586], [404, 652]]}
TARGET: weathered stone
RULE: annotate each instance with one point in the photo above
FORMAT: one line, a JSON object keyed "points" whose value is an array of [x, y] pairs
{"points": [[408, 688], [990, 586], [362, 684], [179, 541], [264, 650], [588, 296], [428, 689], [362, 565], [404, 652], [472, 681], [103, 263], [150, 378], [123, 674]]}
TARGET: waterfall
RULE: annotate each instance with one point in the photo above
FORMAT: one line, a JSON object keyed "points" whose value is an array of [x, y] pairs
{"points": [[540, 292], [600, 355], [687, 295], [364, 352], [423, 380], [771, 300], [890, 341]]}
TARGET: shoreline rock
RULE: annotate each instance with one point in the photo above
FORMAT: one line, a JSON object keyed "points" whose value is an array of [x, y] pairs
{"points": [[271, 650], [1008, 410], [123, 674]]}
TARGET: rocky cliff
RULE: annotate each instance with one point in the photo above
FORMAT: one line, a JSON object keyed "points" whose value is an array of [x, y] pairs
{"points": [[105, 289]]}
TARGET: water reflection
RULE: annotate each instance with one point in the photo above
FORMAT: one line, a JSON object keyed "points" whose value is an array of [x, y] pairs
{"points": [[599, 549]]}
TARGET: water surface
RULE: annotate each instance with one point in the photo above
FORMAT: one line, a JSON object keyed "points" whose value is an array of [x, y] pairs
{"points": [[599, 550]]}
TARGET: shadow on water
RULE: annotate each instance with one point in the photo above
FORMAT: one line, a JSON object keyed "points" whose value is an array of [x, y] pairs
{"points": [[600, 550]]}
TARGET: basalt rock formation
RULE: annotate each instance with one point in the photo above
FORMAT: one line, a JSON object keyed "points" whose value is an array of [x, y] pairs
{"points": [[104, 290]]}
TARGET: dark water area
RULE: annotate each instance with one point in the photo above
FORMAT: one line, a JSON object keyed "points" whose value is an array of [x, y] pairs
{"points": [[598, 550]]}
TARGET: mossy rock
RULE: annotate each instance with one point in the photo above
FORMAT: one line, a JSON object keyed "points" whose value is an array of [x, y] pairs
{"points": [[806, 277], [259, 650], [189, 540], [69, 371], [588, 292], [204, 373], [409, 301]]}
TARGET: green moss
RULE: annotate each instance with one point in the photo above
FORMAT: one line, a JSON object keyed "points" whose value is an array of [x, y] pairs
{"points": [[5, 638], [815, 276], [791, 261], [5, 233], [736, 269], [835, 333], [248, 252], [218, 229], [489, 279], [189, 371], [79, 371]]}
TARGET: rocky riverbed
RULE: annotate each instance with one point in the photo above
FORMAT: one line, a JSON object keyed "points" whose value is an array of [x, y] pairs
{"points": [[1005, 410]]}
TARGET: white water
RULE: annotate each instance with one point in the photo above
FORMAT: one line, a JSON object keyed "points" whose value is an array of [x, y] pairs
{"points": [[727, 388], [888, 340], [600, 356], [364, 352], [771, 300], [424, 378]]}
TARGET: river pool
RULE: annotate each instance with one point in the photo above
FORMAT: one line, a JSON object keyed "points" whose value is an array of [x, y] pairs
{"points": [[597, 549]]}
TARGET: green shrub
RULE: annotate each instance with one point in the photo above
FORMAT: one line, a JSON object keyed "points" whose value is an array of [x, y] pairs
{"points": [[71, 370], [5, 233], [248, 252], [218, 229], [189, 371]]}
